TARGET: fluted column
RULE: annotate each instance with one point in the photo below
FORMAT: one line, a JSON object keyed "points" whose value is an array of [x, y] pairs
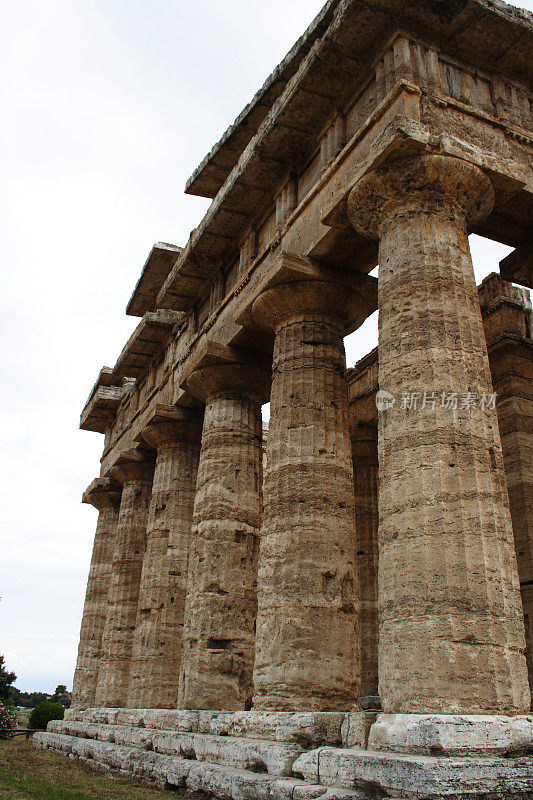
{"points": [[156, 659], [307, 649], [507, 318], [104, 495], [135, 473], [451, 636], [365, 464], [218, 640]]}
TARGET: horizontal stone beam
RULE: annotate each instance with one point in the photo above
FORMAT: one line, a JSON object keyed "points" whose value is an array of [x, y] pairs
{"points": [[478, 33], [289, 268], [518, 266], [362, 387], [101, 408], [155, 271], [145, 342]]}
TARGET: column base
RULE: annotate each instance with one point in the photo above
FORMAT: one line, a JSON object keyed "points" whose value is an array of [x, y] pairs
{"points": [[268, 755]]}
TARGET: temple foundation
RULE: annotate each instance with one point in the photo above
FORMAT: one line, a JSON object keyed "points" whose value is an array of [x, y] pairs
{"points": [[269, 755]]}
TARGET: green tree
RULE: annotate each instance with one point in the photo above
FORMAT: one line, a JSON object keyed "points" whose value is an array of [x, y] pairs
{"points": [[6, 679], [62, 696], [43, 713], [38, 697]]}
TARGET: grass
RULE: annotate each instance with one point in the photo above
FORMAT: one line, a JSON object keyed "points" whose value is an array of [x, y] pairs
{"points": [[30, 774]]}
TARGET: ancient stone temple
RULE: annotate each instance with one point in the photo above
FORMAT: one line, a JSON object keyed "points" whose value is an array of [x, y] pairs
{"points": [[349, 615]]}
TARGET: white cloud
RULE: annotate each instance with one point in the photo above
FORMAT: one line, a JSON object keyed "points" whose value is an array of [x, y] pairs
{"points": [[108, 108]]}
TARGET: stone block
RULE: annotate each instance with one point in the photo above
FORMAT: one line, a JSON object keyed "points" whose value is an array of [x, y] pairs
{"points": [[355, 729], [305, 728], [452, 735], [418, 777]]}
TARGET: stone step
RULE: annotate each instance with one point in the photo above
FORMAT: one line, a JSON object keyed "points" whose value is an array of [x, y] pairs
{"points": [[255, 755], [225, 782], [417, 776], [308, 729]]}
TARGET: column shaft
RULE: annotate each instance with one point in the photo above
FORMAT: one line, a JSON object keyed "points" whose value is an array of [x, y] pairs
{"points": [[451, 634], [307, 649], [106, 498], [507, 318], [218, 642], [157, 645], [365, 466], [123, 595]]}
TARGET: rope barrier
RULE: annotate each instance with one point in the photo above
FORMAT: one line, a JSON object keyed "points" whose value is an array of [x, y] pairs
{"points": [[347, 730], [318, 766]]}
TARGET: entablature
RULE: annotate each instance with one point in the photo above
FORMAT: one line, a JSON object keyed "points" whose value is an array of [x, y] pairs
{"points": [[101, 407], [485, 34], [160, 261], [351, 100], [303, 139], [518, 265], [150, 336]]}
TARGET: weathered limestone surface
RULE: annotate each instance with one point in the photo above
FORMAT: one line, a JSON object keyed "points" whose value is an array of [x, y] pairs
{"points": [[156, 657], [248, 755], [415, 776], [104, 495], [307, 652], [362, 380], [211, 779], [507, 318], [307, 728], [250, 752], [257, 755], [218, 642], [452, 735], [451, 629], [134, 471], [408, 124]]}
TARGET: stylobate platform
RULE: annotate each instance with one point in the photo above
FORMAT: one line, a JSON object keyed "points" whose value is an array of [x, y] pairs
{"points": [[254, 755]]}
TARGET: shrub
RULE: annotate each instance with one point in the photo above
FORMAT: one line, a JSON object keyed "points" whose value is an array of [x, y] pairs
{"points": [[43, 713], [8, 721]]}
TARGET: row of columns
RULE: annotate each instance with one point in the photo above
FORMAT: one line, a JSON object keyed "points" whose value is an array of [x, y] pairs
{"points": [[270, 615]]}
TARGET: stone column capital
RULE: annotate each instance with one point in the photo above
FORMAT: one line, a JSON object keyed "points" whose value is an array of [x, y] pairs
{"points": [[433, 184], [103, 494], [217, 369], [336, 299], [132, 465], [170, 426], [294, 287]]}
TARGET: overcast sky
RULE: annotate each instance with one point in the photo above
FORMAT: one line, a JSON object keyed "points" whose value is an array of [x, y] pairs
{"points": [[108, 106]]}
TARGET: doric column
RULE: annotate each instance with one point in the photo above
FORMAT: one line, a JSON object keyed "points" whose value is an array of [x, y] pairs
{"points": [[307, 649], [155, 665], [104, 495], [508, 322], [365, 463], [218, 640], [134, 472], [451, 636], [363, 383]]}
